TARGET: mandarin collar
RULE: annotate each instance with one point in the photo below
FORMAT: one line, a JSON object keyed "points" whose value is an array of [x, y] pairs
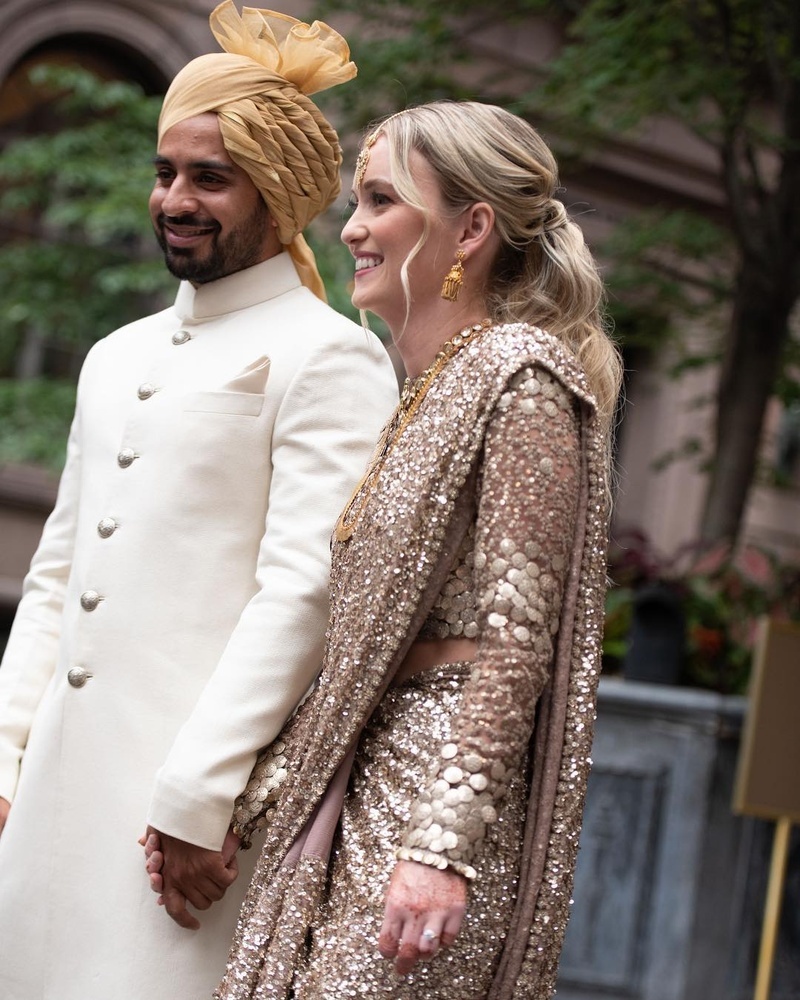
{"points": [[240, 290]]}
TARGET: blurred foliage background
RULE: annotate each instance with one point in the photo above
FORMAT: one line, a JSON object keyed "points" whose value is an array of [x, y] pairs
{"points": [[78, 259], [81, 260]]}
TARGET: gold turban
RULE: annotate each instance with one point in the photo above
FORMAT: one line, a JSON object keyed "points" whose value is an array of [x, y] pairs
{"points": [[258, 87]]}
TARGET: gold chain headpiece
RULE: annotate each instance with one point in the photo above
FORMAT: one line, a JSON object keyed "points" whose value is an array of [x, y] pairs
{"points": [[363, 154]]}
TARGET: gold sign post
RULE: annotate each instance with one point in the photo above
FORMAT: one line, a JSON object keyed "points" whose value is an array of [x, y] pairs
{"points": [[768, 775], [772, 909]]}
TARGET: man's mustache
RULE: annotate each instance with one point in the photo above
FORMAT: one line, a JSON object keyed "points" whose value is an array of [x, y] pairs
{"points": [[189, 221]]}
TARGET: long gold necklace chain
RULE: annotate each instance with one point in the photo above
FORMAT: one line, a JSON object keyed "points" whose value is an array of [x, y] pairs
{"points": [[414, 391]]}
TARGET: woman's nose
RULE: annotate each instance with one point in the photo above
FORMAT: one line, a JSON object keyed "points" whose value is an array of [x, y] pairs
{"points": [[353, 229]]}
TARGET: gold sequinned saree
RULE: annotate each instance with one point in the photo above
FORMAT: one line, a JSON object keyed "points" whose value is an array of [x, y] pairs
{"points": [[537, 677]]}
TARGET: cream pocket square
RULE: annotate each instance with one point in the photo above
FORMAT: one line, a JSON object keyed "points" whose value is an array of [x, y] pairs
{"points": [[243, 394]]}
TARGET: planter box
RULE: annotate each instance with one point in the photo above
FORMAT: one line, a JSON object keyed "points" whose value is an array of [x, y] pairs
{"points": [[670, 884]]}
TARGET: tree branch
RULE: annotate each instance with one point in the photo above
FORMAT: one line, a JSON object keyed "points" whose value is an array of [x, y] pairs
{"points": [[744, 225]]}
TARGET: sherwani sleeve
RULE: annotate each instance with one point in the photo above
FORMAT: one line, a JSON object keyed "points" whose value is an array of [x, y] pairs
{"points": [[31, 654], [526, 517], [324, 432]]}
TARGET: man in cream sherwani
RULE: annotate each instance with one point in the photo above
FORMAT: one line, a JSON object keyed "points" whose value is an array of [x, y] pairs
{"points": [[174, 613]]}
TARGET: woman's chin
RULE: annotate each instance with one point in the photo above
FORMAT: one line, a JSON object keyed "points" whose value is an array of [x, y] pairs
{"points": [[360, 298]]}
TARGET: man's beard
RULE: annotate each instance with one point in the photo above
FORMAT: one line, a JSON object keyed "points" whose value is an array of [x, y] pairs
{"points": [[242, 247]]}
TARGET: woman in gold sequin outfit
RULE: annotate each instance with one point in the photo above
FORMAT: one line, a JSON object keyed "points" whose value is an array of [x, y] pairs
{"points": [[422, 840]]}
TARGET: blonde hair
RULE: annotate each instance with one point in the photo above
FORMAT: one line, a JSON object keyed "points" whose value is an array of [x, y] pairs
{"points": [[543, 274]]}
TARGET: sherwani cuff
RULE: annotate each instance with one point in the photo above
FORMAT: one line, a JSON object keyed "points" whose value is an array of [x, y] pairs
{"points": [[200, 820]]}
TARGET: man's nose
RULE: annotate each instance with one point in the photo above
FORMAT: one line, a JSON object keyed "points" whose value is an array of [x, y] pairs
{"points": [[179, 198]]}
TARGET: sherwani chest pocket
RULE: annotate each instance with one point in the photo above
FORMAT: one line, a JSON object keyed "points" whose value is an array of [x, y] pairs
{"points": [[216, 456], [243, 395]]}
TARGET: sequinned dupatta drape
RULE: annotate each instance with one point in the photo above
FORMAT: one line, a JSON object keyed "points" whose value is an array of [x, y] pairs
{"points": [[376, 611]]}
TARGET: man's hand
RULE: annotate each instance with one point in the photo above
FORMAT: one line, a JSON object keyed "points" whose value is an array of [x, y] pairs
{"points": [[424, 910], [154, 858], [5, 808], [182, 872]]}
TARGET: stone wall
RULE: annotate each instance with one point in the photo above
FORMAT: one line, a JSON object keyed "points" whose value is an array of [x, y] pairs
{"points": [[670, 885]]}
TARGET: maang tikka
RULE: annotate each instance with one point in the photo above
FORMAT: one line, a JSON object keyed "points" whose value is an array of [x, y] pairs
{"points": [[454, 278], [363, 156]]}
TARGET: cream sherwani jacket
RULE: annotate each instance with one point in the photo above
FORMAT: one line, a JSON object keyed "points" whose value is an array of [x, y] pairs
{"points": [[173, 616]]}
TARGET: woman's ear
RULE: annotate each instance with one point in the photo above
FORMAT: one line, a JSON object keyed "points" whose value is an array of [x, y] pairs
{"points": [[478, 227]]}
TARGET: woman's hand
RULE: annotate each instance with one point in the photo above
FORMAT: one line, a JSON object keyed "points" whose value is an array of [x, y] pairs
{"points": [[5, 809], [153, 862], [424, 910]]}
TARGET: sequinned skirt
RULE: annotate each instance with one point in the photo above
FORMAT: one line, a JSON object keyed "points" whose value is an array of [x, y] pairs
{"points": [[397, 751]]}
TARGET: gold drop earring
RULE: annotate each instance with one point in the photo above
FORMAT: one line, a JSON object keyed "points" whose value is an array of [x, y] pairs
{"points": [[454, 279]]}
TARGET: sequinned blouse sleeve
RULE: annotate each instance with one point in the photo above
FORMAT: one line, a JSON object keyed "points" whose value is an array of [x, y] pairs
{"points": [[526, 517]]}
